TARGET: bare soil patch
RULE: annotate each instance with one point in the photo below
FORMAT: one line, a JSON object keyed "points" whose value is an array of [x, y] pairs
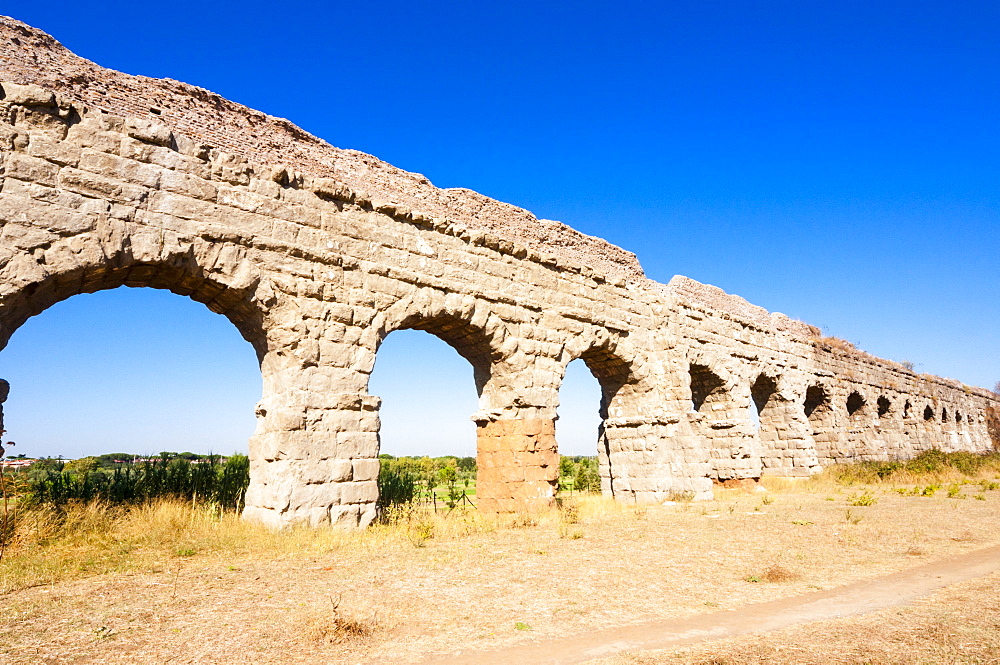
{"points": [[958, 624]]}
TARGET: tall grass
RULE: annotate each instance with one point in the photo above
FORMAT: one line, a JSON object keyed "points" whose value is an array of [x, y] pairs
{"points": [[928, 465]]}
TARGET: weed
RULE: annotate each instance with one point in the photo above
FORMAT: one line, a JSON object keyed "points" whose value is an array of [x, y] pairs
{"points": [[851, 518], [569, 513], [185, 551], [767, 500], [334, 628], [520, 625], [863, 499], [777, 573], [979, 497], [802, 522], [420, 532], [754, 579], [930, 490], [570, 532], [523, 521], [954, 490]]}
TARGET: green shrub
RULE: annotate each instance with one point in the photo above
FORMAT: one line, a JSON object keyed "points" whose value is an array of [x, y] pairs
{"points": [[208, 481], [397, 484]]}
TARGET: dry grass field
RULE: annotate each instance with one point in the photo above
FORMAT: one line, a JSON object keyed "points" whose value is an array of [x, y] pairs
{"points": [[174, 583]]}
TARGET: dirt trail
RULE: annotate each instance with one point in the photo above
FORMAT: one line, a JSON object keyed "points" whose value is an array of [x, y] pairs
{"points": [[858, 598]]}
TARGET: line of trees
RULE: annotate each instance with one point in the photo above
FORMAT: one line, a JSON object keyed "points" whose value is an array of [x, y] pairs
{"points": [[198, 478]]}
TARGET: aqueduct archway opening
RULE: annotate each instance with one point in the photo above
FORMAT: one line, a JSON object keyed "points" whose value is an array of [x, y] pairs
{"points": [[131, 370]]}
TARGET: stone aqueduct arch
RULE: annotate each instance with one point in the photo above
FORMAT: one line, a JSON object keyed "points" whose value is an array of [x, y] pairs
{"points": [[316, 254]]}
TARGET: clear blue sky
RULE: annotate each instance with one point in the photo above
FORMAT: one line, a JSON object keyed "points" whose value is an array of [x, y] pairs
{"points": [[838, 162]]}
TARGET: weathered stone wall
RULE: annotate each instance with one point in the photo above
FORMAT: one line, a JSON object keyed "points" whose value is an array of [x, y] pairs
{"points": [[315, 272]]}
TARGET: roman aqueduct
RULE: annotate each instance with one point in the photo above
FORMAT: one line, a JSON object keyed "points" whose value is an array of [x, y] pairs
{"points": [[316, 254]]}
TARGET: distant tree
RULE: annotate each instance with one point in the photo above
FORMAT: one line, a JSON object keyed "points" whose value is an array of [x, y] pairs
{"points": [[81, 466], [566, 466]]}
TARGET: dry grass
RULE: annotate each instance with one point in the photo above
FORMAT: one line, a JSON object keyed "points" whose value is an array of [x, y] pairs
{"points": [[168, 580]]}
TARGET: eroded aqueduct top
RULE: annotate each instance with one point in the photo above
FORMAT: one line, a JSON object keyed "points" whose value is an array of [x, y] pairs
{"points": [[30, 56]]}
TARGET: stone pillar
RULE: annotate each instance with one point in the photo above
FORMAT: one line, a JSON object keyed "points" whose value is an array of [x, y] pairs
{"points": [[518, 465], [4, 391], [313, 456]]}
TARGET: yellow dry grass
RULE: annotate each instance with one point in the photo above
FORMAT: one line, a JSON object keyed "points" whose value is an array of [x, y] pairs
{"points": [[172, 581]]}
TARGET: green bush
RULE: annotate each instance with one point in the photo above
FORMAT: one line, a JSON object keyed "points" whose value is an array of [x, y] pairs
{"points": [[397, 485], [210, 481]]}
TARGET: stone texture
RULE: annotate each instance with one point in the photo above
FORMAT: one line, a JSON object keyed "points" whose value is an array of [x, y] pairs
{"points": [[316, 254]]}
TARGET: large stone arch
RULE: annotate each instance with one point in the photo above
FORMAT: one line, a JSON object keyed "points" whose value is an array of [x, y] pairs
{"points": [[479, 336], [787, 445], [625, 407], [719, 392], [461, 321], [216, 274], [223, 276]]}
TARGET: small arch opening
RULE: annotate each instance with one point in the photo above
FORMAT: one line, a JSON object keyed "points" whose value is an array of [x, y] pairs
{"points": [[816, 402], [855, 402], [928, 413], [944, 414], [884, 405], [761, 399], [906, 409], [707, 388]]}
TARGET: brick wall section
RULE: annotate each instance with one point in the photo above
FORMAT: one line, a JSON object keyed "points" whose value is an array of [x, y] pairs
{"points": [[518, 465]]}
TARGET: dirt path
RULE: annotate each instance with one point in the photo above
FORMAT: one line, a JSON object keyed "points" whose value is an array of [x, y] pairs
{"points": [[853, 599]]}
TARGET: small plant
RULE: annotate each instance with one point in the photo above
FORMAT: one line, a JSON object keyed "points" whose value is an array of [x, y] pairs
{"points": [[569, 513], [570, 532], [802, 522], [767, 500], [777, 573], [979, 497], [954, 490], [520, 625], [335, 628], [185, 551], [988, 485], [420, 532], [864, 499], [930, 490], [753, 579], [851, 518]]}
